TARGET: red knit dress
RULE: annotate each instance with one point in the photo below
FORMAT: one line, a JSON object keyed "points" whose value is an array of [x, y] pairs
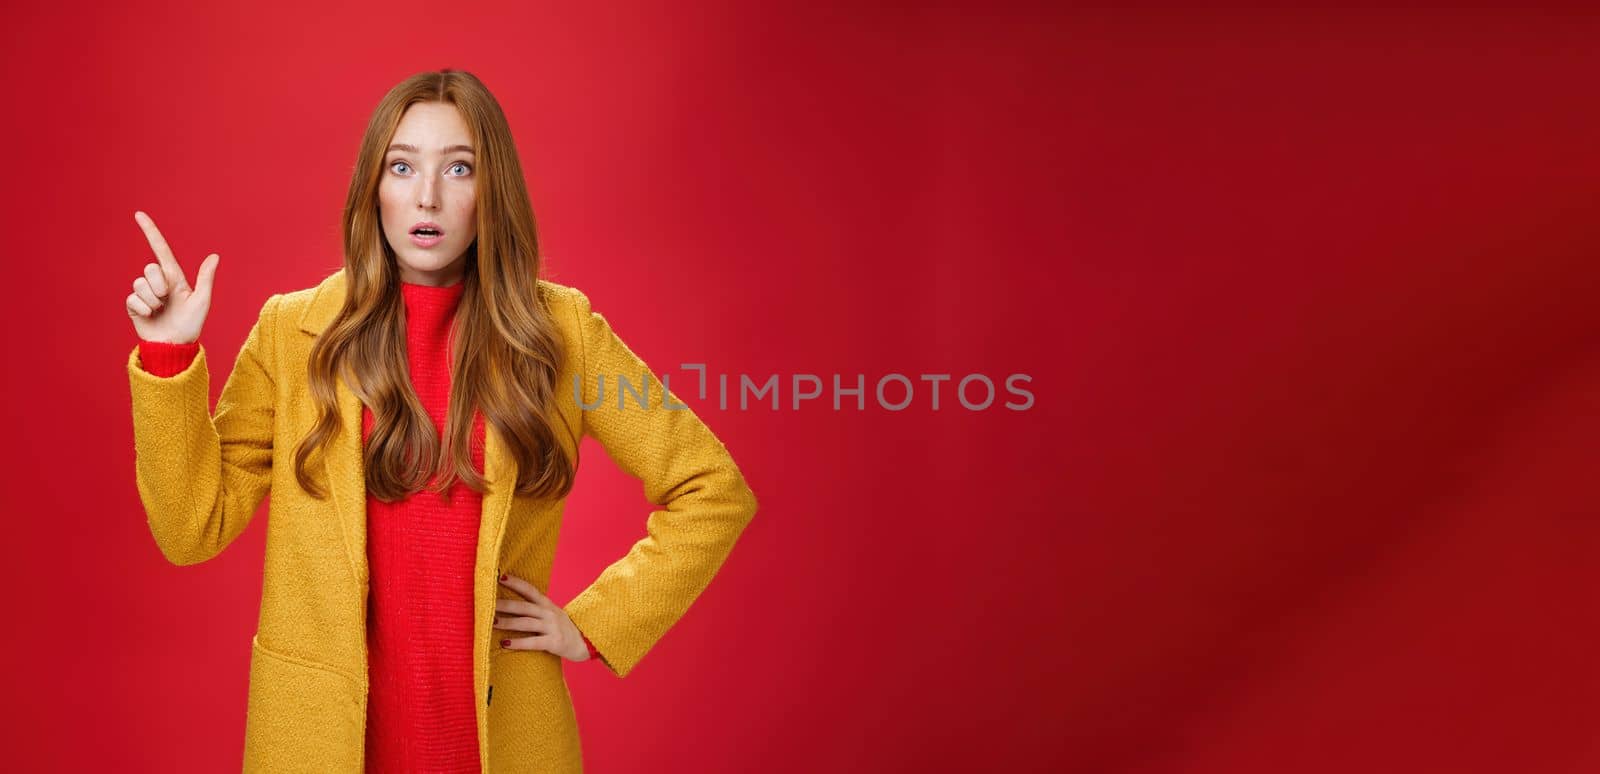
{"points": [[421, 553]]}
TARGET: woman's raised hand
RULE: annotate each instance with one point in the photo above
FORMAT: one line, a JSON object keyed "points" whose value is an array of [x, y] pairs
{"points": [[162, 305]]}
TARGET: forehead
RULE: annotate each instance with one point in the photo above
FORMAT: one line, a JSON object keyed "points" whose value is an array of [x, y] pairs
{"points": [[432, 126]]}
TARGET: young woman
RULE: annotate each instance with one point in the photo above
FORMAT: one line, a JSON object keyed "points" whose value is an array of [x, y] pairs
{"points": [[416, 418]]}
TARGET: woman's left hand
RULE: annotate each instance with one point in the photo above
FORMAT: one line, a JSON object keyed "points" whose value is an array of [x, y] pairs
{"points": [[535, 613]]}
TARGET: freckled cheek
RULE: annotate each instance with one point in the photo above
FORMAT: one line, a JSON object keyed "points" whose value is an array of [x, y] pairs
{"points": [[389, 205], [467, 216]]}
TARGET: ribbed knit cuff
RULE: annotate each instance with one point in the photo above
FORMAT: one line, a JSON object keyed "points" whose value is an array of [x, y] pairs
{"points": [[165, 359]]}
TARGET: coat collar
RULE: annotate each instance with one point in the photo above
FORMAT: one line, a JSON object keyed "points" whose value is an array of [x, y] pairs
{"points": [[326, 299], [347, 475]]}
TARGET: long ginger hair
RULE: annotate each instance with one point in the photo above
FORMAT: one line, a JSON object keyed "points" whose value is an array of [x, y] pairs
{"points": [[507, 350]]}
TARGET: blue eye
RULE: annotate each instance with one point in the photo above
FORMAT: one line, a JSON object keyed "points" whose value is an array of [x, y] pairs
{"points": [[467, 167]]}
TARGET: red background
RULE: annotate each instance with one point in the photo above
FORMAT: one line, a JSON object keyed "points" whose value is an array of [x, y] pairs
{"points": [[1307, 298]]}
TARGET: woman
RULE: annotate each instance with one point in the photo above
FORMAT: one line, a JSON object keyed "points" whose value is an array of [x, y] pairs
{"points": [[416, 418]]}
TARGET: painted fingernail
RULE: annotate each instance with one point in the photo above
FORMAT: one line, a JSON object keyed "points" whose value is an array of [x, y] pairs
{"points": [[505, 643], [502, 576]]}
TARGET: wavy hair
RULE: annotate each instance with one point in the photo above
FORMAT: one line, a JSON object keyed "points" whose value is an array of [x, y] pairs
{"points": [[507, 349]]}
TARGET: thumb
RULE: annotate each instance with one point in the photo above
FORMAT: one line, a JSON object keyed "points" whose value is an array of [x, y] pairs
{"points": [[207, 273]]}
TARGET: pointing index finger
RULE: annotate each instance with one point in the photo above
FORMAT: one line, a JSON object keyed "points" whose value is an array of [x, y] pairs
{"points": [[158, 243]]}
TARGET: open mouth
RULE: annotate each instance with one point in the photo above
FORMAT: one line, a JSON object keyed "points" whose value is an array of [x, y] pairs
{"points": [[426, 232]]}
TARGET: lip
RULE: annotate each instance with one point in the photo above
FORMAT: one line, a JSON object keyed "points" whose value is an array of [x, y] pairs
{"points": [[426, 241]]}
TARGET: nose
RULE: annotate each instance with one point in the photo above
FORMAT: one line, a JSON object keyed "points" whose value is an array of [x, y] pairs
{"points": [[428, 194]]}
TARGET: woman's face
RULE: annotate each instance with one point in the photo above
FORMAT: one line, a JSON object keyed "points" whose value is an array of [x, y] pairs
{"points": [[428, 178]]}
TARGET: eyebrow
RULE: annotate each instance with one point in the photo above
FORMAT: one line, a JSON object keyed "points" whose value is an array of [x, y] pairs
{"points": [[412, 148]]}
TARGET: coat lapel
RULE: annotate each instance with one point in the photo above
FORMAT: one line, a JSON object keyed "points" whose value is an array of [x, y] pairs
{"points": [[500, 470]]}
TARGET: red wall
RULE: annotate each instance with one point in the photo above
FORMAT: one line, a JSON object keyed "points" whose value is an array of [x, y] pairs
{"points": [[1306, 299]]}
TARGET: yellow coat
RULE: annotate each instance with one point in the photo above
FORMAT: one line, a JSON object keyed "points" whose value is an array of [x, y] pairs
{"points": [[201, 478]]}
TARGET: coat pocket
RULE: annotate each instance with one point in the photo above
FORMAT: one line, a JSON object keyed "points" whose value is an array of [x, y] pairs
{"points": [[302, 716], [533, 727]]}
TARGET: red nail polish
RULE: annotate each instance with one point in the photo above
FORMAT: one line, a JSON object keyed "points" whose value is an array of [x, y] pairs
{"points": [[505, 643], [502, 577]]}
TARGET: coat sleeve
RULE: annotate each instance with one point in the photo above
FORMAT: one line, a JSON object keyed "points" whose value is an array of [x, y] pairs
{"points": [[202, 477], [705, 502]]}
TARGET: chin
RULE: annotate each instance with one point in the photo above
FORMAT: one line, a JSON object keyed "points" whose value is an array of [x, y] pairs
{"points": [[429, 261]]}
